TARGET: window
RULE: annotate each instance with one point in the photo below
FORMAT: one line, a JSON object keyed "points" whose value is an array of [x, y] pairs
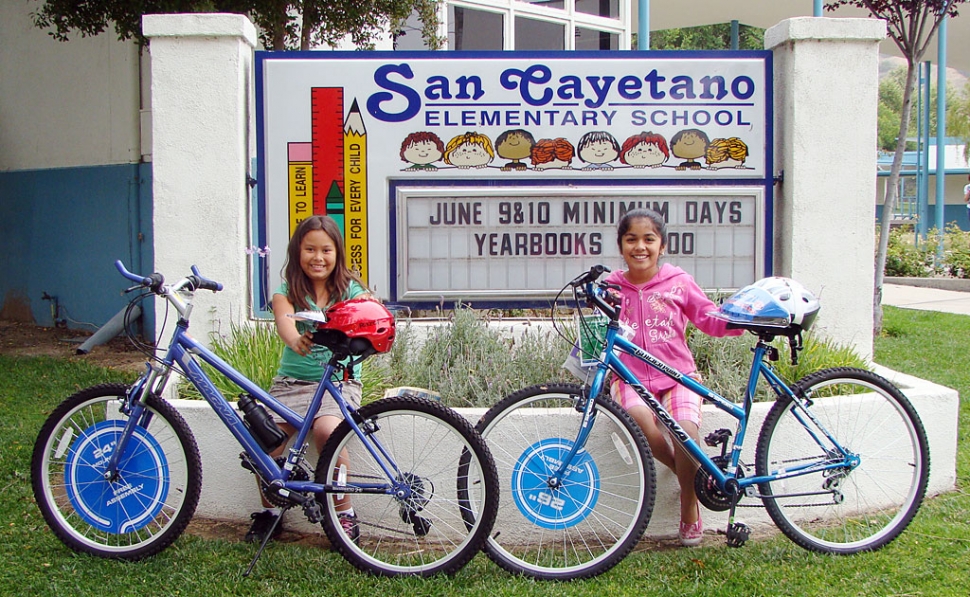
{"points": [[600, 8], [591, 39], [470, 29], [533, 34], [527, 25]]}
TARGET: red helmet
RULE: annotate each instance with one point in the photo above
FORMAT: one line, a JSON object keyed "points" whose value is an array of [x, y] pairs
{"points": [[359, 326]]}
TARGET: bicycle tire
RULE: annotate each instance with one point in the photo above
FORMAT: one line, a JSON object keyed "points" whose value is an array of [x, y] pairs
{"points": [[845, 511], [154, 496], [597, 516], [444, 522]]}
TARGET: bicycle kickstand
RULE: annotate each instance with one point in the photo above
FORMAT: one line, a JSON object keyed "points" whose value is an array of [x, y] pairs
{"points": [[262, 545]]}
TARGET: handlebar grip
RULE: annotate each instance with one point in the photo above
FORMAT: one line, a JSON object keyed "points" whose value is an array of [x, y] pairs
{"points": [[591, 276], [133, 277], [200, 282], [153, 282]]}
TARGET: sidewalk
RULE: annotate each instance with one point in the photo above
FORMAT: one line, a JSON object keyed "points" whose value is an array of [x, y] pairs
{"points": [[926, 299]]}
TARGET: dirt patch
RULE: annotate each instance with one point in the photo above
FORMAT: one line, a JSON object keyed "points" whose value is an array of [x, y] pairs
{"points": [[23, 339], [234, 531]]}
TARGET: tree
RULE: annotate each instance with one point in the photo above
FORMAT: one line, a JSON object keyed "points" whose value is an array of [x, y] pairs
{"points": [[911, 24], [283, 24], [707, 37], [960, 126], [891, 108]]}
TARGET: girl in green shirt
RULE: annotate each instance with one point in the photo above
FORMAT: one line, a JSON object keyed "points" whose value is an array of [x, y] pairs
{"points": [[315, 277]]}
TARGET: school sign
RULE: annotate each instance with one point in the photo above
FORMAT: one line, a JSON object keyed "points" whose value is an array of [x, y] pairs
{"points": [[494, 178]]}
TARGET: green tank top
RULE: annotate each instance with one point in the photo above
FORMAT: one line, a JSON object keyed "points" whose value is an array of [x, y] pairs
{"points": [[310, 367]]}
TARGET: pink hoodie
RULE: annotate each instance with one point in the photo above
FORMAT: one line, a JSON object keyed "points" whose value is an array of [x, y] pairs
{"points": [[658, 312]]}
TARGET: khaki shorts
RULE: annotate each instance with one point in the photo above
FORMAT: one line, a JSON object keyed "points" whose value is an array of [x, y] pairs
{"points": [[297, 394]]}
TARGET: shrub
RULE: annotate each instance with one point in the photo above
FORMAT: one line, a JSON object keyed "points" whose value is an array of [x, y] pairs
{"points": [[904, 258], [956, 251], [253, 350], [725, 363], [472, 363]]}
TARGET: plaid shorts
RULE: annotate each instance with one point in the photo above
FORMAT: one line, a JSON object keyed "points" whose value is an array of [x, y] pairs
{"points": [[681, 403], [297, 394]]}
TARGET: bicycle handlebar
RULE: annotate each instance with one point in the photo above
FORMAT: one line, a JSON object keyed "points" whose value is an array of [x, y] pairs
{"points": [[597, 293], [155, 281], [591, 276]]}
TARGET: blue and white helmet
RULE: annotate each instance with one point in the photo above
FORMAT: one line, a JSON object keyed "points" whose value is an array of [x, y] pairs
{"points": [[801, 304], [774, 302]]}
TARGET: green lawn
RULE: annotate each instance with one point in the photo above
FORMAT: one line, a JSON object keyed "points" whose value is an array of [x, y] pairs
{"points": [[931, 558]]}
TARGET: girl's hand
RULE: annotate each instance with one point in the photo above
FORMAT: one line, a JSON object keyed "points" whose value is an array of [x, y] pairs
{"points": [[303, 344]]}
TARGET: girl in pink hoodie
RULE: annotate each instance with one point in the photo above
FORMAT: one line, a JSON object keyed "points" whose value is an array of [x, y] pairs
{"points": [[658, 301]]}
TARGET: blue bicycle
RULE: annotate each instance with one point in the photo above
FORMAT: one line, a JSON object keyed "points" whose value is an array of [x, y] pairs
{"points": [[841, 464], [117, 474]]}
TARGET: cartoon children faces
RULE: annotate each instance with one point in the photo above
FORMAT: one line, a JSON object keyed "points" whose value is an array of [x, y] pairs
{"points": [[689, 144], [552, 153], [598, 149], [515, 145], [470, 150], [645, 149], [726, 153], [421, 150]]}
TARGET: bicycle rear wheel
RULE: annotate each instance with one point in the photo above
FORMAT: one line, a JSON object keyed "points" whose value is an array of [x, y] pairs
{"points": [[155, 493], [859, 507], [449, 490], [590, 522]]}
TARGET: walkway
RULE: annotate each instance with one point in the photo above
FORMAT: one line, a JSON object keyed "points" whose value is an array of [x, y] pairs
{"points": [[926, 299]]}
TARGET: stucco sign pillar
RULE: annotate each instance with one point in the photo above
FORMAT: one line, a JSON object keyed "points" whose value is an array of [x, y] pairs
{"points": [[826, 95], [201, 104]]}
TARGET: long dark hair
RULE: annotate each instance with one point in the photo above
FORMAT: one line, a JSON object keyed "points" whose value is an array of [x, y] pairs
{"points": [[298, 285]]}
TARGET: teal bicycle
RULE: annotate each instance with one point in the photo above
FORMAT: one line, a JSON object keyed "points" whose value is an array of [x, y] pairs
{"points": [[841, 462], [116, 471]]}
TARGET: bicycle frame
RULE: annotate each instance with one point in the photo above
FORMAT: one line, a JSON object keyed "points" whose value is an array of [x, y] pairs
{"points": [[609, 360], [183, 352]]}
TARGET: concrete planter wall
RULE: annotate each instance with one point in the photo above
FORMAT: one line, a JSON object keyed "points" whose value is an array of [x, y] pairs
{"points": [[229, 491]]}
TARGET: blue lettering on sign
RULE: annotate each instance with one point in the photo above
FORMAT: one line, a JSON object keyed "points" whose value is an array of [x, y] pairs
{"points": [[535, 85], [381, 78], [534, 75]]}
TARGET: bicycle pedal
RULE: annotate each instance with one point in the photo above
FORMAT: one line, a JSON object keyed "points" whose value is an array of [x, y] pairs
{"points": [[720, 436], [246, 462], [313, 511], [737, 534]]}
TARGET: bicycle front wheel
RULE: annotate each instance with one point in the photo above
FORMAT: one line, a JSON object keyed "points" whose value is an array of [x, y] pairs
{"points": [[149, 502], [447, 494], [588, 521], [850, 415]]}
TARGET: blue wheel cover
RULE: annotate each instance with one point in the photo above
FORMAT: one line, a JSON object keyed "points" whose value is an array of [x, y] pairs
{"points": [[131, 502], [565, 506]]}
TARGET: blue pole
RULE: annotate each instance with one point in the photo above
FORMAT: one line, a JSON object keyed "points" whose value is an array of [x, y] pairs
{"points": [[735, 33], [818, 8], [643, 26], [941, 132], [923, 180]]}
